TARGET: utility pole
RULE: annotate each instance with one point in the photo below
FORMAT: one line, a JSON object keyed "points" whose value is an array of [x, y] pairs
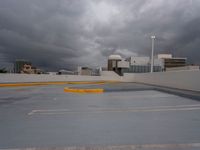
{"points": [[152, 52]]}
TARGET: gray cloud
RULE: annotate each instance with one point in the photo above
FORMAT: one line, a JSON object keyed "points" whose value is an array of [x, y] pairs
{"points": [[65, 33]]}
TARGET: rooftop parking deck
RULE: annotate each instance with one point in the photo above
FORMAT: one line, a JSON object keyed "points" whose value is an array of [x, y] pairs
{"points": [[125, 116]]}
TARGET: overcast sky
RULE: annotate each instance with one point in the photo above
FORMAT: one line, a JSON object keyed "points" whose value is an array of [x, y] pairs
{"points": [[63, 34]]}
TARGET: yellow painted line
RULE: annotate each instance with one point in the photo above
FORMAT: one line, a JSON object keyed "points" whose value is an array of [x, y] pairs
{"points": [[73, 90], [93, 82], [52, 83], [31, 84]]}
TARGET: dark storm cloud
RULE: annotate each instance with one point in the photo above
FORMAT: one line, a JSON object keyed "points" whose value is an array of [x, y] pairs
{"points": [[67, 33]]}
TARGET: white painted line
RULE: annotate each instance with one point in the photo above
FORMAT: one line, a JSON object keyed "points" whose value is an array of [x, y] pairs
{"points": [[134, 109], [46, 110], [122, 147], [175, 106]]}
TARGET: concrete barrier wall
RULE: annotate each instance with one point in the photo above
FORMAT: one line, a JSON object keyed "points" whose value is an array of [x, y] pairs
{"points": [[16, 78], [110, 74], [129, 77], [188, 80]]}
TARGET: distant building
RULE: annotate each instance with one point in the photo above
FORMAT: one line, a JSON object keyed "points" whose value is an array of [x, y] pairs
{"points": [[24, 66], [117, 64], [170, 62], [189, 67], [27, 69], [133, 64], [142, 65], [19, 65], [84, 71], [113, 63]]}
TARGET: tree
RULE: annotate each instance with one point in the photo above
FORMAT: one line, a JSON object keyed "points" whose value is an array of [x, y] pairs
{"points": [[3, 70]]}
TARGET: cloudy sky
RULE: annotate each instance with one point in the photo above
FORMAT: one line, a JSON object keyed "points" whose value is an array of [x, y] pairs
{"points": [[63, 34]]}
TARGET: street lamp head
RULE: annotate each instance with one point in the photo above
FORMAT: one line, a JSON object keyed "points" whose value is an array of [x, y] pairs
{"points": [[153, 36]]}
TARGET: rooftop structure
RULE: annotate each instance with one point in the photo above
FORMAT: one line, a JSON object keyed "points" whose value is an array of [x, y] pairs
{"points": [[113, 63], [114, 57]]}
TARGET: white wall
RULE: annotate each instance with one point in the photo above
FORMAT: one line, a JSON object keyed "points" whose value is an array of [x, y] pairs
{"points": [[13, 78], [123, 64], [139, 60], [188, 80]]}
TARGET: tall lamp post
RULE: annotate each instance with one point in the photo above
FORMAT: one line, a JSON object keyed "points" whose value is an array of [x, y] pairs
{"points": [[152, 52]]}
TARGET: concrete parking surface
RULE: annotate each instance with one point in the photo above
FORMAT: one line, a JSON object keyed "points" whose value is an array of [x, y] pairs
{"points": [[126, 116]]}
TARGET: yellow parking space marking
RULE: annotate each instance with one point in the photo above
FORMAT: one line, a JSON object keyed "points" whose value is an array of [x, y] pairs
{"points": [[53, 83], [75, 90], [92, 82], [31, 84]]}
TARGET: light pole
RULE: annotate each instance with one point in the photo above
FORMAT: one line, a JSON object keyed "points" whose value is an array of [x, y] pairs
{"points": [[152, 52]]}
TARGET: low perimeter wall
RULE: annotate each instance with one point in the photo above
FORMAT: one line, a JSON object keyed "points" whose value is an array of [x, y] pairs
{"points": [[18, 78], [188, 80]]}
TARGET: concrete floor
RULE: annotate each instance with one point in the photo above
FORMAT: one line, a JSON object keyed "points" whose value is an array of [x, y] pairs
{"points": [[45, 116]]}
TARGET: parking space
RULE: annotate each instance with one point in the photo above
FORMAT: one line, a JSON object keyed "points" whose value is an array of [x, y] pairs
{"points": [[125, 114]]}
